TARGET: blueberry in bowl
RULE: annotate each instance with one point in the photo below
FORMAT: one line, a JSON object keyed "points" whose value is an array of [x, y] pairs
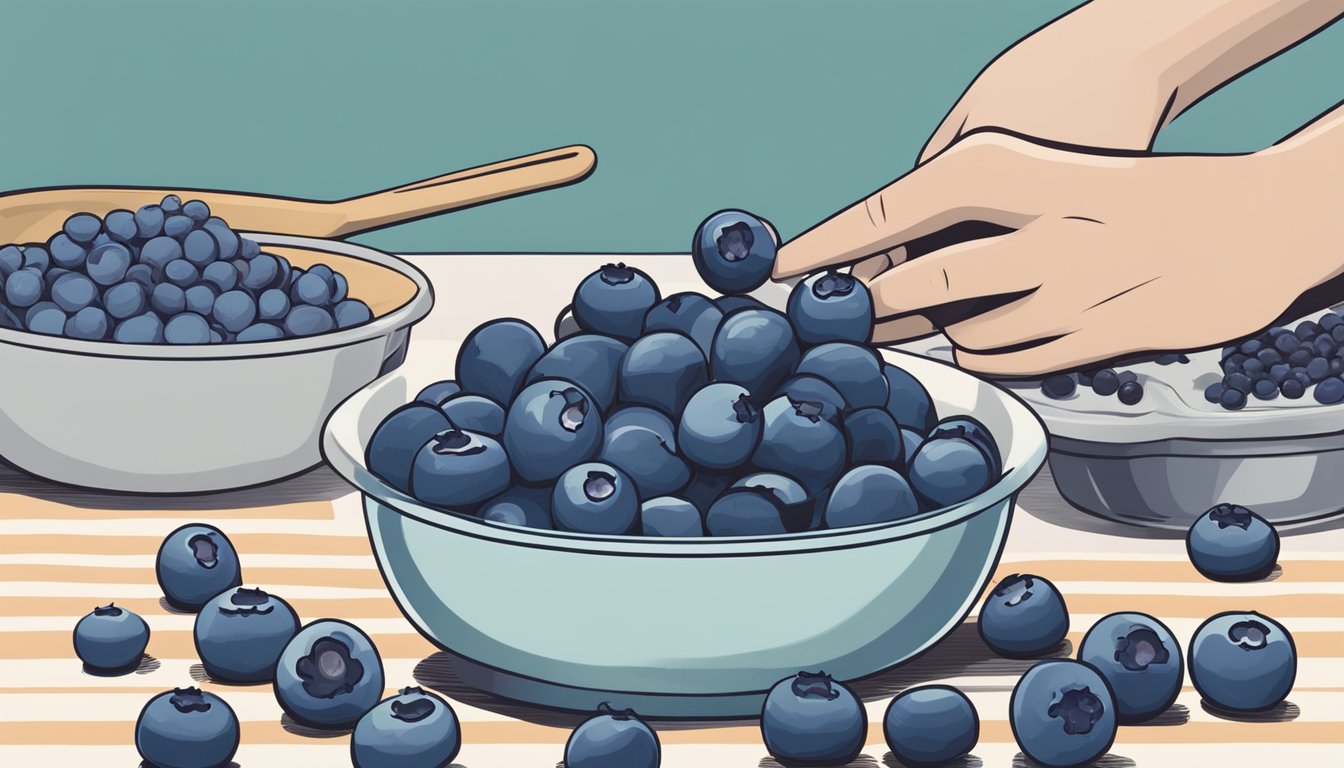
{"points": [[832, 307], [1231, 543], [111, 640], [240, 634], [1242, 662], [414, 728], [187, 728], [613, 300]]}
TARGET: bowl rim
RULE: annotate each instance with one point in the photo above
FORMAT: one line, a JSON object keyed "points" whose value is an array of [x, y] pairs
{"points": [[344, 453], [412, 311]]}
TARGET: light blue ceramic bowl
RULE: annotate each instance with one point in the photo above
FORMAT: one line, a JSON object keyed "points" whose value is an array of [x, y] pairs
{"points": [[685, 628]]}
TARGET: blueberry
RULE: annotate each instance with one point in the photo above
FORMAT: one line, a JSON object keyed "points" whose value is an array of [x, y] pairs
{"points": [[235, 310], [1250, 346], [263, 274], [9, 320], [908, 401], [496, 357], [37, 257], [755, 348], [1307, 329], [46, 318], [351, 312], [1330, 391], [730, 304], [1329, 321], [642, 443], [181, 272], [797, 441], [67, 253], [311, 289], [806, 387], [587, 360], [240, 633], [178, 227], [831, 306], [1023, 616], [141, 329], [1325, 346], [1131, 392], [187, 728], [1140, 659], [870, 494], [1231, 543], [1318, 369], [566, 325], [73, 292], [1233, 400], [1242, 662], [1279, 371], [1062, 714], [168, 299], [187, 328], [160, 252], [89, 323], [259, 332], [1291, 389], [435, 394], [670, 516], [734, 251], [1059, 387], [340, 288], [474, 413], [931, 725], [1285, 343], [856, 371], [82, 227], [550, 426], [458, 468], [24, 288], [227, 241], [412, 729], [1265, 389], [1268, 357], [125, 300], [221, 275], [148, 221], [398, 439], [195, 563], [613, 739], [171, 204], [706, 487], [272, 305], [594, 497], [11, 261], [950, 470], [111, 640], [307, 320], [662, 370], [874, 438], [329, 675], [323, 271], [613, 301], [689, 314], [762, 504], [196, 210], [810, 719], [1106, 382], [521, 505], [972, 429], [1301, 358]]}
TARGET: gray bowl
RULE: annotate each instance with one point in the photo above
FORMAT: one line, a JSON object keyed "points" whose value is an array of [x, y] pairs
{"points": [[685, 627]]}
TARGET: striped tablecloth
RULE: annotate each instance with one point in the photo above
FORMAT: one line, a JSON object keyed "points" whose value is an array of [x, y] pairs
{"points": [[62, 552]]}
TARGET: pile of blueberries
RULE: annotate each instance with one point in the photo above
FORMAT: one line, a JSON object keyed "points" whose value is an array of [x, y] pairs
{"points": [[686, 415], [1124, 385], [1284, 361], [167, 273]]}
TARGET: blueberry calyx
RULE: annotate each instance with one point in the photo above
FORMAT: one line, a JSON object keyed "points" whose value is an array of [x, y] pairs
{"points": [[328, 669], [455, 442], [1227, 515], [415, 710], [616, 274], [808, 409], [1079, 709], [107, 610], [204, 549], [615, 714], [1249, 635], [813, 685], [1141, 647], [744, 410], [248, 602], [599, 486], [833, 285], [674, 303], [189, 700], [575, 410], [735, 242], [1016, 588]]}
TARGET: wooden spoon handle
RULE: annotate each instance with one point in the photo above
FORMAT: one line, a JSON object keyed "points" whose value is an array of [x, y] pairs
{"points": [[461, 189]]}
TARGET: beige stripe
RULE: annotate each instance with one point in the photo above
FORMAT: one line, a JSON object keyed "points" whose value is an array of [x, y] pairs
{"points": [[262, 543], [180, 644], [365, 607], [15, 506], [355, 578]]}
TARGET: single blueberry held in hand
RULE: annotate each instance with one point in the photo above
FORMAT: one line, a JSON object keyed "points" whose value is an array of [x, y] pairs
{"points": [[734, 251], [457, 468], [329, 675], [1023, 616], [613, 300], [241, 632], [720, 427], [831, 306], [811, 719], [496, 357], [595, 498], [931, 725], [1140, 659], [1062, 714], [187, 728], [111, 640], [551, 426], [416, 728], [1243, 662], [195, 563], [1231, 543], [613, 739]]}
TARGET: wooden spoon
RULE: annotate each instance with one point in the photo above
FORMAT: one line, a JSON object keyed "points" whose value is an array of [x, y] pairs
{"points": [[34, 215]]}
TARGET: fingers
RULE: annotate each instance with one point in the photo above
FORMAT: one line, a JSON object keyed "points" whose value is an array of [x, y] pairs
{"points": [[868, 269], [944, 136], [903, 329], [1031, 318], [979, 179], [1066, 352], [978, 268]]}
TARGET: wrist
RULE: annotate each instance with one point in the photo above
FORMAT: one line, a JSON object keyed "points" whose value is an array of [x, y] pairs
{"points": [[1303, 186]]}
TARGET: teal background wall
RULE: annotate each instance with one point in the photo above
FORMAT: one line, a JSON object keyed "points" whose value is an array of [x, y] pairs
{"points": [[790, 108]]}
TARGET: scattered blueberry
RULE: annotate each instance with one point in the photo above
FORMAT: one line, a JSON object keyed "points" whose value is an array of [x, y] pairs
{"points": [[1131, 392], [415, 728], [613, 739], [196, 562], [1231, 543], [1023, 616], [187, 728], [1062, 714], [329, 675], [931, 725], [111, 640], [811, 719], [241, 632], [1106, 382], [1242, 662], [1140, 659]]}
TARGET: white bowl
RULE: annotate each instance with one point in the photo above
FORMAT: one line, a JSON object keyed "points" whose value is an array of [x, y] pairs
{"points": [[685, 627], [187, 419]]}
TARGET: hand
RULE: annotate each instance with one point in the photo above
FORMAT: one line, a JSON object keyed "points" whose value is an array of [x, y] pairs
{"points": [[1106, 256]]}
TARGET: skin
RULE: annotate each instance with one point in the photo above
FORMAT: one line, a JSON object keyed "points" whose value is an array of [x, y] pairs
{"points": [[1108, 249]]}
